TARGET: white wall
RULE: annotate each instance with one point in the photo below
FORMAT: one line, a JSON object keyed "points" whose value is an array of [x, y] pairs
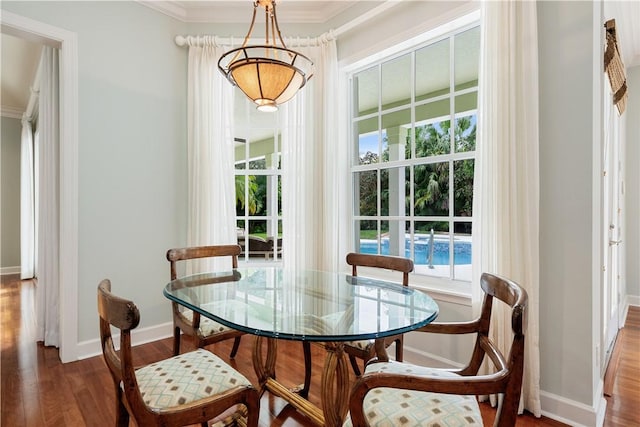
{"points": [[132, 149], [10, 191], [565, 32]]}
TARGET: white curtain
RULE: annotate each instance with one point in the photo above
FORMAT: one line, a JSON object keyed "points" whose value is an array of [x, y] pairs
{"points": [[506, 192], [210, 155], [27, 202], [47, 164], [311, 189], [311, 166]]}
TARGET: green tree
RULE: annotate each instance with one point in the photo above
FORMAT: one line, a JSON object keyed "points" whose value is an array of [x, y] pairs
{"points": [[431, 181], [368, 186], [251, 204]]}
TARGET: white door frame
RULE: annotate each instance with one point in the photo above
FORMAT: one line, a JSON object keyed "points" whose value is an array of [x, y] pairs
{"points": [[613, 198], [67, 42]]}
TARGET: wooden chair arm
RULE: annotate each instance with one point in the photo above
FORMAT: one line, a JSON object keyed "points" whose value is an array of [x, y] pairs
{"points": [[469, 327]]}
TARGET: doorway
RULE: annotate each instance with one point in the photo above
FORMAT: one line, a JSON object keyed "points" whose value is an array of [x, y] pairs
{"points": [[67, 44]]}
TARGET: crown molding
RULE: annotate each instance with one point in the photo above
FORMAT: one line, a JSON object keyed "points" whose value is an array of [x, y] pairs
{"points": [[169, 8], [239, 11], [11, 112]]}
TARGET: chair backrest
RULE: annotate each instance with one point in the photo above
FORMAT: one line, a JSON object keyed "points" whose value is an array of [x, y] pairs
{"points": [[124, 315], [396, 263], [510, 370], [182, 254]]}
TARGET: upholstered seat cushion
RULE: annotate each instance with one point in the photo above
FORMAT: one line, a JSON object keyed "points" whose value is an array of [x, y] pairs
{"points": [[397, 407], [207, 326], [186, 378]]}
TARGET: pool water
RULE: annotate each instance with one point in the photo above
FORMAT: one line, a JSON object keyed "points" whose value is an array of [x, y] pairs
{"points": [[461, 249]]}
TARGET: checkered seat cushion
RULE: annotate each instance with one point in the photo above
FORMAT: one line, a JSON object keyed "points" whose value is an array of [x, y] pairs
{"points": [[385, 407], [207, 326], [186, 378]]}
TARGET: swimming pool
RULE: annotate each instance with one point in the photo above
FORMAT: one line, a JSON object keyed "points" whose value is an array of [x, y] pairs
{"points": [[461, 250]]}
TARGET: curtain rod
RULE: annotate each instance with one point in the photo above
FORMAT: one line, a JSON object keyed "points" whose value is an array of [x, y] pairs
{"points": [[208, 40], [306, 41]]}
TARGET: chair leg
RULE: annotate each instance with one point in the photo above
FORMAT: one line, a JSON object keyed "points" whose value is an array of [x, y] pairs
{"points": [[122, 415], [354, 365], [399, 349], [176, 341], [306, 348], [234, 350]]}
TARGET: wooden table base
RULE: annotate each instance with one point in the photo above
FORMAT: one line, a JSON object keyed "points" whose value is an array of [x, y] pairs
{"points": [[335, 383]]}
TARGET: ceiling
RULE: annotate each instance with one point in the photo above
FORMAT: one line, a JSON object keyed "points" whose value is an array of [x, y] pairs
{"points": [[19, 61]]}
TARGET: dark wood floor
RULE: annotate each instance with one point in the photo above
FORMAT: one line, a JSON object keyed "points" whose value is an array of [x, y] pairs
{"points": [[37, 390]]}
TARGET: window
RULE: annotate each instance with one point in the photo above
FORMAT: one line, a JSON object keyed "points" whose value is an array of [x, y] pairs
{"points": [[413, 119], [258, 181]]}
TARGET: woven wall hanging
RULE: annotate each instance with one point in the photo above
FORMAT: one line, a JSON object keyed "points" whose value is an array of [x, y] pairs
{"points": [[614, 67]]}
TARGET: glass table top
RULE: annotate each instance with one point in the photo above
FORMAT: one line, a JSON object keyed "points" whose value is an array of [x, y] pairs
{"points": [[304, 305]]}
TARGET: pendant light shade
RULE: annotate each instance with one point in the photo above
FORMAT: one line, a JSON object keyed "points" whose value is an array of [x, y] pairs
{"points": [[268, 74]]}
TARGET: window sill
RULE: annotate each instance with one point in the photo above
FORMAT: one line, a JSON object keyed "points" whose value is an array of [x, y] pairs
{"points": [[440, 289]]}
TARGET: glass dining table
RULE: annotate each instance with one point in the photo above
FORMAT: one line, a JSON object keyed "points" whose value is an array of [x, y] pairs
{"points": [[273, 303]]}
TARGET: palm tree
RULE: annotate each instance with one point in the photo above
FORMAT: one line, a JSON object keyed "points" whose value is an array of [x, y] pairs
{"points": [[240, 190]]}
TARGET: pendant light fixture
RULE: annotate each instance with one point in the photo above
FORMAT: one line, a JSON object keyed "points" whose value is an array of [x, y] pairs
{"points": [[268, 74]]}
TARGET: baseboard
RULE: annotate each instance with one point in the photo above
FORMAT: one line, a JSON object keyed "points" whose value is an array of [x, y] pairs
{"points": [[553, 406], [91, 348], [632, 300], [629, 300], [419, 357], [9, 270], [571, 412]]}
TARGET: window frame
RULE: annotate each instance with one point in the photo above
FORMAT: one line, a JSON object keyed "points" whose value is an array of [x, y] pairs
{"points": [[272, 217], [448, 285]]}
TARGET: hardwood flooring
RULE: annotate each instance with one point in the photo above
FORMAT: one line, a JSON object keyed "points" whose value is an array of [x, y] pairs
{"points": [[623, 404], [38, 390]]}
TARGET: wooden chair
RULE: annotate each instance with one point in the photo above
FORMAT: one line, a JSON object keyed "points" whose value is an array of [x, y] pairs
{"points": [[421, 390], [190, 388], [364, 350], [205, 331]]}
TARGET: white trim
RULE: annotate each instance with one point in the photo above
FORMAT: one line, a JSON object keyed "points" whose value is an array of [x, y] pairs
{"points": [[632, 300], [365, 17], [571, 412], [12, 112], [171, 9], [9, 270], [597, 346], [93, 347], [553, 406], [430, 29], [239, 12], [68, 43], [628, 301], [290, 41], [424, 358]]}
